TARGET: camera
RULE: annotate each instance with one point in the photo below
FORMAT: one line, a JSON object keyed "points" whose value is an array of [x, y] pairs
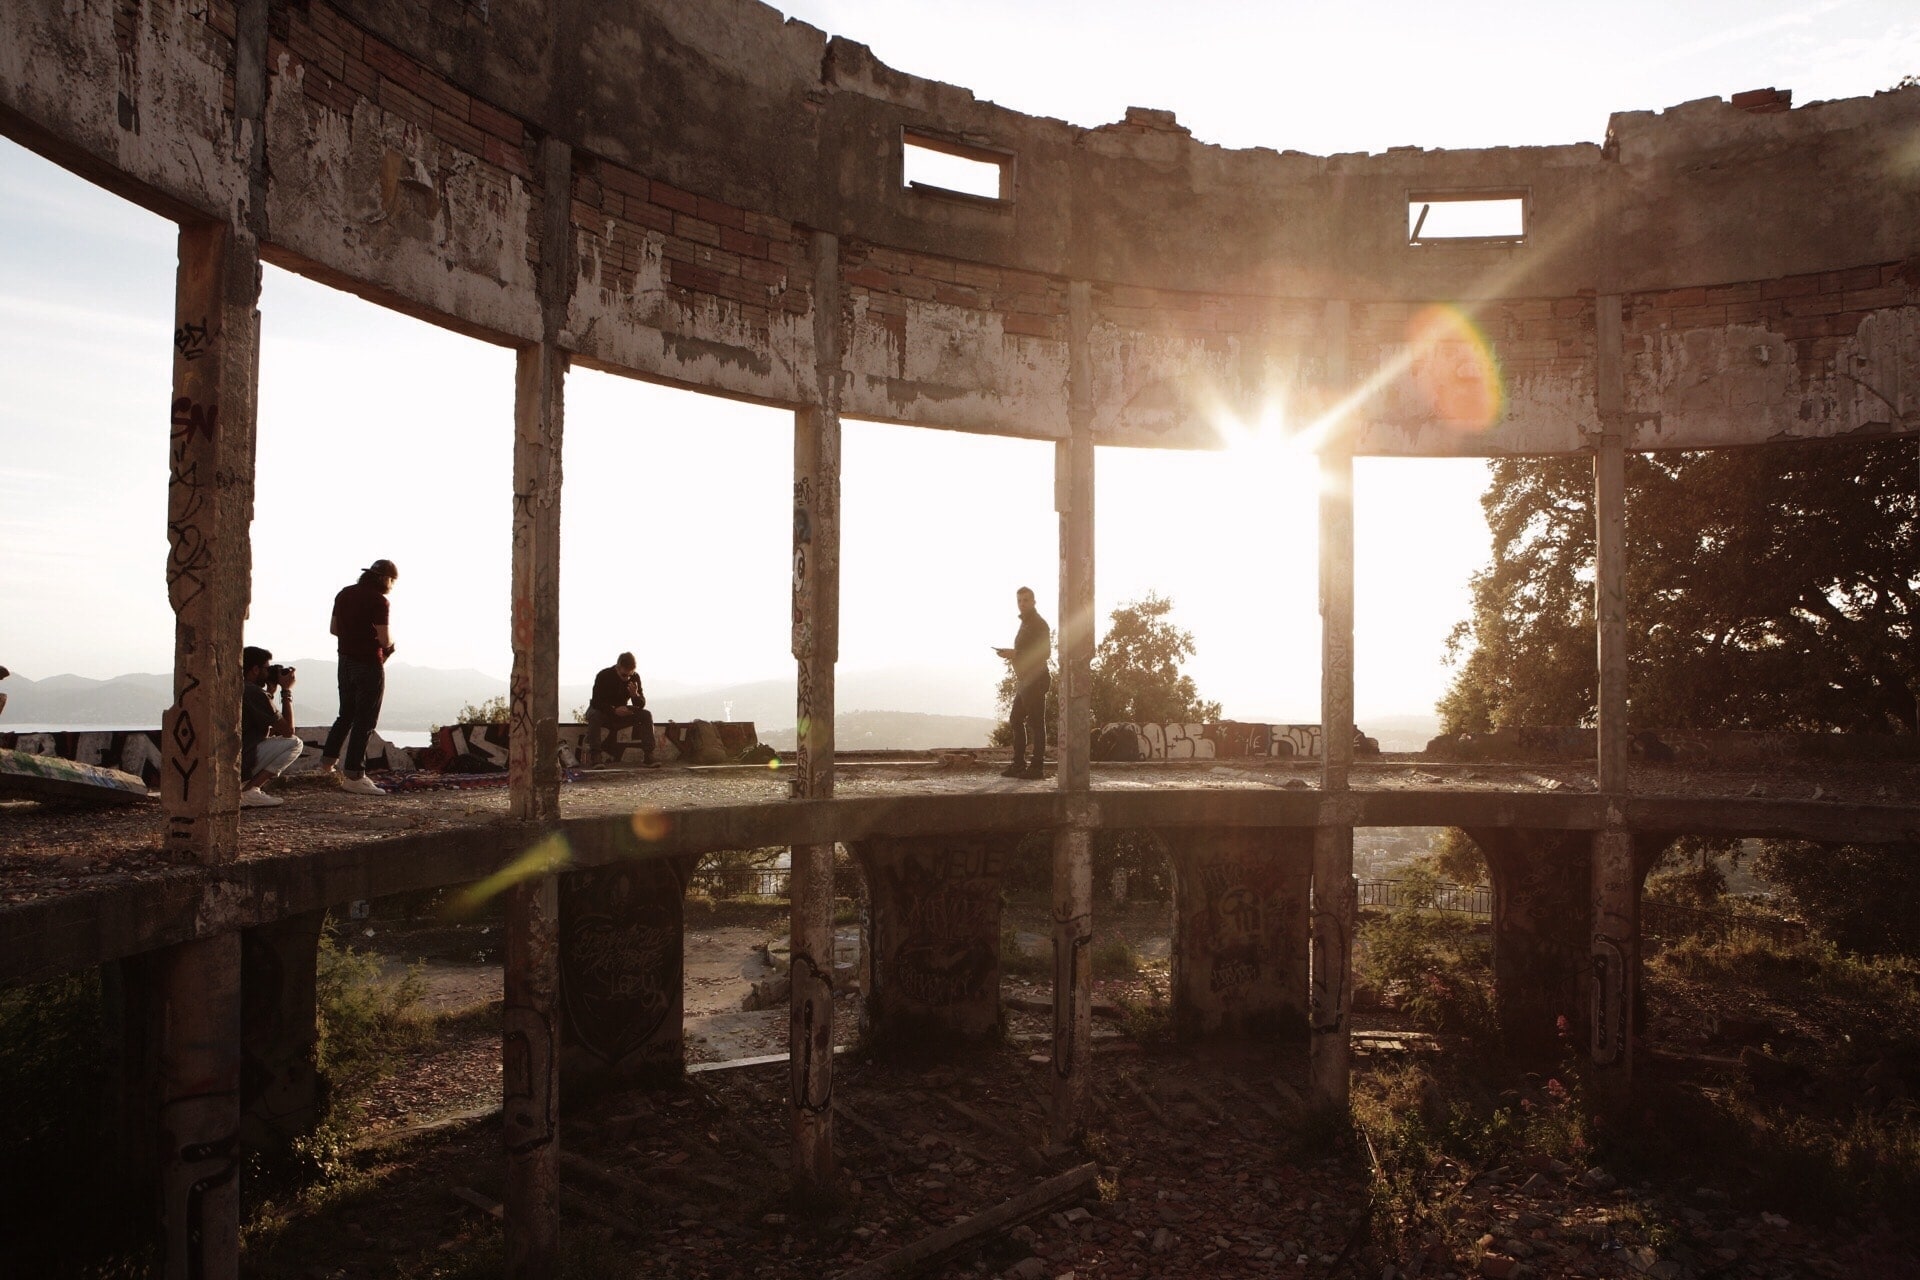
{"points": [[277, 674]]}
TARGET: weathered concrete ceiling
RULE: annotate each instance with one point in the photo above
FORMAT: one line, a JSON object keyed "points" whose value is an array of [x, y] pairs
{"points": [[1760, 259]]}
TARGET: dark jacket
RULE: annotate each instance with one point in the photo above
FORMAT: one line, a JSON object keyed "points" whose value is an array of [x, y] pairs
{"points": [[1031, 649], [610, 691]]}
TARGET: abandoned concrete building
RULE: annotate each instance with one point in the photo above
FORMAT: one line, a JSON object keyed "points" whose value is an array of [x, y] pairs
{"points": [[713, 197]]}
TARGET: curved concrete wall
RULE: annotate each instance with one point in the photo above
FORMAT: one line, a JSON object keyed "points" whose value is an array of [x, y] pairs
{"points": [[738, 223]]}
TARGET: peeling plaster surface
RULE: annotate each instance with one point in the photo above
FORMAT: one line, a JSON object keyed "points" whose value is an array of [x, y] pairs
{"points": [[398, 174], [380, 201], [1705, 388], [153, 115]]}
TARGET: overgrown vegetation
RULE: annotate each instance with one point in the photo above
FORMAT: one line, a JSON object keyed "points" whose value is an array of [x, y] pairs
{"points": [[1433, 966]]}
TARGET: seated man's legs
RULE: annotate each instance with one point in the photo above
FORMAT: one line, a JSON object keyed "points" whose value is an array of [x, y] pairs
{"points": [[600, 730], [273, 757], [643, 732]]}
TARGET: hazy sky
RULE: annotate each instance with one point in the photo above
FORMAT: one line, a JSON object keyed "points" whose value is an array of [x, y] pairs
{"points": [[384, 436]]}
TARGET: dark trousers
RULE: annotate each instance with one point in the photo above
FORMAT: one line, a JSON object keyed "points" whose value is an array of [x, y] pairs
{"points": [[362, 687], [605, 723], [1030, 722]]}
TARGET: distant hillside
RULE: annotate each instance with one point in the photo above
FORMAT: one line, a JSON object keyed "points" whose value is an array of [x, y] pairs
{"points": [[946, 711], [893, 731]]}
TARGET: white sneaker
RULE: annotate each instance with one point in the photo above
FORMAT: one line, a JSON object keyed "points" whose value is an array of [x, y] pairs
{"points": [[255, 798], [361, 786]]}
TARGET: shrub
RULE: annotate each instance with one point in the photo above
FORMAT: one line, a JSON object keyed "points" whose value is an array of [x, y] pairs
{"points": [[1115, 957]]}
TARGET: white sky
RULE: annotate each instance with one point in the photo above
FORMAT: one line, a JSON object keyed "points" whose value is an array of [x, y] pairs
{"points": [[383, 436]]}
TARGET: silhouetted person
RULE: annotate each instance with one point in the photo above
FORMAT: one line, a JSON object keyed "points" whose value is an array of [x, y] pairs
{"points": [[619, 703], [1031, 647], [360, 620], [267, 741]]}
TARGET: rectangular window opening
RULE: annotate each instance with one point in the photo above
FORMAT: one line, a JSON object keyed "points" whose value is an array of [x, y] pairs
{"points": [[939, 166], [1456, 217]]}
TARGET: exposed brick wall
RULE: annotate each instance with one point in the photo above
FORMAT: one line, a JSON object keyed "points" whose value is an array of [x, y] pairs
{"points": [[706, 249], [1816, 312], [890, 281], [1530, 337]]}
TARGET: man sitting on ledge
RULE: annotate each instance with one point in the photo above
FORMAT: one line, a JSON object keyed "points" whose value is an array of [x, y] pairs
{"points": [[618, 703]]}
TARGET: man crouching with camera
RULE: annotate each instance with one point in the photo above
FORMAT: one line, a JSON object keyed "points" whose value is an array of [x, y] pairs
{"points": [[267, 741]]}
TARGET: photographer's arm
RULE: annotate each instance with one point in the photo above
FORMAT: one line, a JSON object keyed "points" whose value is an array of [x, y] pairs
{"points": [[383, 638], [283, 727]]}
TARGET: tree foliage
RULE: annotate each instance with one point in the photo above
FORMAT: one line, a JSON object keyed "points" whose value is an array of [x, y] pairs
{"points": [[1767, 588], [1136, 669]]}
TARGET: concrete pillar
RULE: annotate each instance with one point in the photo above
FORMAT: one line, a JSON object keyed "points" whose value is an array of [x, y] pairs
{"points": [[622, 973], [816, 647], [1615, 943], [539, 399], [1545, 918], [530, 1049], [1073, 843], [935, 944], [1540, 934], [1610, 554], [1072, 980], [530, 1078], [209, 563], [1240, 930], [280, 1093], [533, 751], [200, 1106], [1334, 906]]}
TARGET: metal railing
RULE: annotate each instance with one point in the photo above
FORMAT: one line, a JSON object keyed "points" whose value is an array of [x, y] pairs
{"points": [[1398, 895]]}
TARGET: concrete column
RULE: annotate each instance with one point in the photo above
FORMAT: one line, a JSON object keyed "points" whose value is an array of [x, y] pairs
{"points": [[1610, 554], [533, 751], [816, 647], [530, 1078], [1072, 979], [622, 973], [1073, 471], [279, 1028], [1615, 955], [539, 398], [935, 945], [1541, 934], [1334, 907], [200, 1106], [1614, 946], [530, 1048], [1240, 930], [209, 564], [1073, 843], [209, 549]]}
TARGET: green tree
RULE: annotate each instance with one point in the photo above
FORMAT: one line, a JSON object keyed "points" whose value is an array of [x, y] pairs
{"points": [[1136, 669], [1767, 589]]}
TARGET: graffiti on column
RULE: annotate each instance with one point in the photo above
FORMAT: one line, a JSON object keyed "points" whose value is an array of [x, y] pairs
{"points": [[223, 1155], [1232, 927], [620, 958], [802, 640], [938, 911], [527, 1101]]}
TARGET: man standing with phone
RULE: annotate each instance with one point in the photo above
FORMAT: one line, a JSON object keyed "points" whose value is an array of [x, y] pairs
{"points": [[1031, 647]]}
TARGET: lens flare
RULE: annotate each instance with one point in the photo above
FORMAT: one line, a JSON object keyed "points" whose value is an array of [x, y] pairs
{"points": [[550, 855], [1454, 369], [651, 825]]}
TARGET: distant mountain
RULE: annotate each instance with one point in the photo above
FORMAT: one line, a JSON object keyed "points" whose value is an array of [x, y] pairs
{"points": [[894, 731]]}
